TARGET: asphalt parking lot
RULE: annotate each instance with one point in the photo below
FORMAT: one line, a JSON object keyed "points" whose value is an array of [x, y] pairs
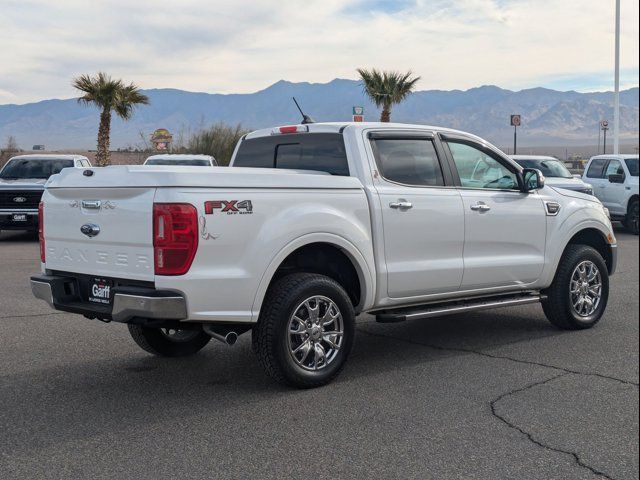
{"points": [[496, 394]]}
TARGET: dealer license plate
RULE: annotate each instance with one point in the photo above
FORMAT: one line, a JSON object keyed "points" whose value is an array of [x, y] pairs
{"points": [[100, 291]]}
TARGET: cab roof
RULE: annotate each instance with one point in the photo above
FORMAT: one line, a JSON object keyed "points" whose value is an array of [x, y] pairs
{"points": [[180, 156], [615, 156], [339, 127]]}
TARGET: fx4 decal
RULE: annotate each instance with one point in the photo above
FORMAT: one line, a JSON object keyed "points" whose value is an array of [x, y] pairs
{"points": [[230, 207]]}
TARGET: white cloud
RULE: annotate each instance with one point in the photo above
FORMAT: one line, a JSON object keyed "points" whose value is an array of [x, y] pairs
{"points": [[244, 45]]}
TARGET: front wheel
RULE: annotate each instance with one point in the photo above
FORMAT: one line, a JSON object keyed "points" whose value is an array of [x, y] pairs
{"points": [[631, 221], [305, 330], [579, 293], [168, 342]]}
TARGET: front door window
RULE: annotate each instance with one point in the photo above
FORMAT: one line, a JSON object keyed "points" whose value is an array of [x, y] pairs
{"points": [[477, 169]]}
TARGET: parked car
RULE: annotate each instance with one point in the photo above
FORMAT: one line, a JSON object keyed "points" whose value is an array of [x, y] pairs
{"points": [[555, 172], [180, 159], [22, 182], [400, 221], [615, 181]]}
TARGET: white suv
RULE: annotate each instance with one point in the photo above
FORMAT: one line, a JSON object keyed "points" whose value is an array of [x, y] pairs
{"points": [[615, 183]]}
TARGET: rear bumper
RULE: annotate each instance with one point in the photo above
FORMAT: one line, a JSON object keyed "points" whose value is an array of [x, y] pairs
{"points": [[128, 303]]}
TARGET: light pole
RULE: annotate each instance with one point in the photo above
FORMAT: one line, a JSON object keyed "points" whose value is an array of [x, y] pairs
{"points": [[599, 134], [616, 95], [604, 126]]}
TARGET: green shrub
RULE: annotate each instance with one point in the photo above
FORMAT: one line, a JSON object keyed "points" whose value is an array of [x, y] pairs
{"points": [[218, 140]]}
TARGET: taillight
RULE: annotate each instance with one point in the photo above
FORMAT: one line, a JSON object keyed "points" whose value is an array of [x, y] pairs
{"points": [[41, 231], [175, 237]]}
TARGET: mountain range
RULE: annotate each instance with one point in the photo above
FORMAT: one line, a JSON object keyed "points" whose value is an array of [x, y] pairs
{"points": [[549, 117]]}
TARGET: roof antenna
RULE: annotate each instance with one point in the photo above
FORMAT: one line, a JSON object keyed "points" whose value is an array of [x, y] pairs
{"points": [[306, 119]]}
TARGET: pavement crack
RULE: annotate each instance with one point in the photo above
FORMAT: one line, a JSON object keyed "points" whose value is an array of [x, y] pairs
{"points": [[502, 357], [493, 404]]}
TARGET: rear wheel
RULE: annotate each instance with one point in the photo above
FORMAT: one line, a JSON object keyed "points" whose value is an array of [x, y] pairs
{"points": [[305, 331], [578, 296], [168, 342], [631, 221]]}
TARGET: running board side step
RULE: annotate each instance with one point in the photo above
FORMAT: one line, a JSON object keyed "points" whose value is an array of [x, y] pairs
{"points": [[451, 308]]}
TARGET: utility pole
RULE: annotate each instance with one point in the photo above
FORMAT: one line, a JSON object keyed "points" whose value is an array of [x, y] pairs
{"points": [[616, 97], [599, 134]]}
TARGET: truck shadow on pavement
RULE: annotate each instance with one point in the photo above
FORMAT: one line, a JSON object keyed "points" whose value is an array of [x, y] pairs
{"points": [[81, 397]]}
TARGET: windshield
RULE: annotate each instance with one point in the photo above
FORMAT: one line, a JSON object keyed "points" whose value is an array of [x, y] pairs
{"points": [[632, 165], [192, 163], [19, 168], [548, 167]]}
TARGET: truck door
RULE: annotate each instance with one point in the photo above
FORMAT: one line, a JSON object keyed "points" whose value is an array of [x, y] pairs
{"points": [[422, 215], [505, 234], [614, 194], [595, 176]]}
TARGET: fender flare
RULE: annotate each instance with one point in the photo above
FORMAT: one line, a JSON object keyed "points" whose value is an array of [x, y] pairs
{"points": [[367, 280], [586, 224]]}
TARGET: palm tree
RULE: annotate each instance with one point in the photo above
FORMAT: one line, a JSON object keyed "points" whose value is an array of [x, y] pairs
{"points": [[387, 88], [108, 95]]}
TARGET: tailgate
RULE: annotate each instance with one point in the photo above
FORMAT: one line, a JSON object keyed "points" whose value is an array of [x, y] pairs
{"points": [[117, 223]]}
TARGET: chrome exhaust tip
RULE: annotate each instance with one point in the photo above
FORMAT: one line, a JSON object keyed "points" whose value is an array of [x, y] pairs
{"points": [[228, 337], [231, 338]]}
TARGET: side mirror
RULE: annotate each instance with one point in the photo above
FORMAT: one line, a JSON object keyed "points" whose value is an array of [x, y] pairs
{"points": [[616, 178], [532, 179]]}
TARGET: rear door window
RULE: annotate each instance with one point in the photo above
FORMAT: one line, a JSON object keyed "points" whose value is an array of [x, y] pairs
{"points": [[408, 161], [323, 152], [632, 165], [596, 169]]}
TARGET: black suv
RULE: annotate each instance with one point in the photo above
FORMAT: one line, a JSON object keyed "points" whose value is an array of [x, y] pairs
{"points": [[22, 182]]}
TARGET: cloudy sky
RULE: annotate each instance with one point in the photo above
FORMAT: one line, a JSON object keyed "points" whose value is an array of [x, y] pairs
{"points": [[236, 46]]}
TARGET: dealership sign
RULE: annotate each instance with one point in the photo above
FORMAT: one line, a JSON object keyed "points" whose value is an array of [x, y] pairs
{"points": [[358, 114]]}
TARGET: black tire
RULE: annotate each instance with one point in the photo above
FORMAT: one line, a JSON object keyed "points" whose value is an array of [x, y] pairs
{"points": [[155, 341], [558, 306], [631, 220], [270, 337]]}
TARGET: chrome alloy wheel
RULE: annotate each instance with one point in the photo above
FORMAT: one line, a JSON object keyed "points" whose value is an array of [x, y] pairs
{"points": [[178, 336], [315, 333], [586, 288]]}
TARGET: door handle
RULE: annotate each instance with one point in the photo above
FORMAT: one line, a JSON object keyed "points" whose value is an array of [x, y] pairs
{"points": [[402, 204], [480, 207]]}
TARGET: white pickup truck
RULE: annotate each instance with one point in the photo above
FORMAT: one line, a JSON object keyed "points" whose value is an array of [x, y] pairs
{"points": [[311, 226]]}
